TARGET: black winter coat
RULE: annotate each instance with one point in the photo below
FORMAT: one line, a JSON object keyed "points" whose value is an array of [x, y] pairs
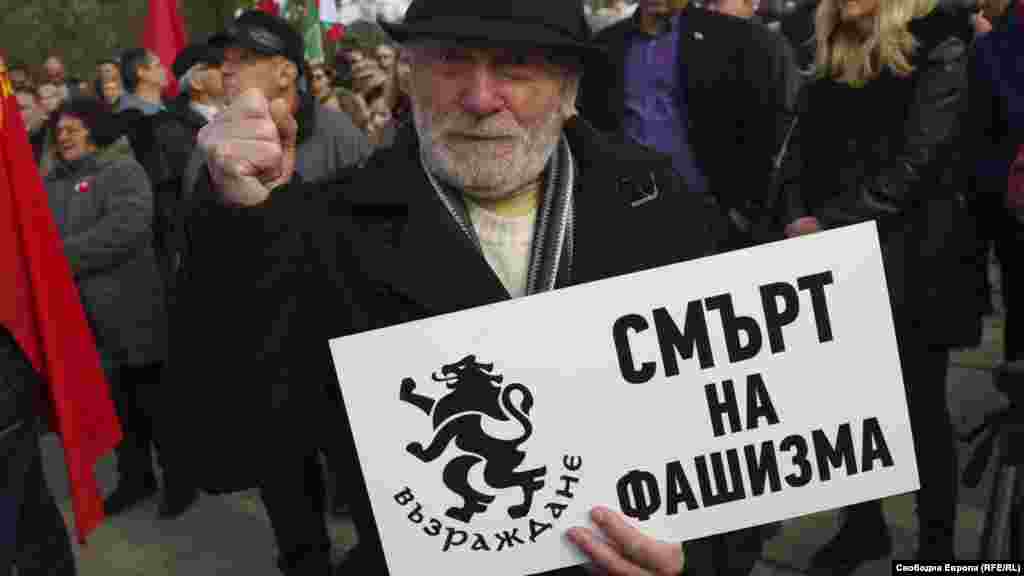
{"points": [[995, 122], [20, 394], [372, 250], [172, 138], [890, 152], [739, 79]]}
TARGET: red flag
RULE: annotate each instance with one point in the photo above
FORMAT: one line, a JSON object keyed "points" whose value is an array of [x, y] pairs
{"points": [[40, 305], [164, 35], [269, 6]]}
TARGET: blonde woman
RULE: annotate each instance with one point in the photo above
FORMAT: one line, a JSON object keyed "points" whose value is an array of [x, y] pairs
{"points": [[876, 141]]}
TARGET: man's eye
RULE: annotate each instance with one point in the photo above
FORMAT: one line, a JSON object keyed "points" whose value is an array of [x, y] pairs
{"points": [[520, 60]]}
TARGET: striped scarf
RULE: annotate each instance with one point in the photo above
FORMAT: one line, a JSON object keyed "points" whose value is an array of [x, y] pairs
{"points": [[552, 249]]}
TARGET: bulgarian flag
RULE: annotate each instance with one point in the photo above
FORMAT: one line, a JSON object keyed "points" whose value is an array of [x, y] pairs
{"points": [[312, 33], [40, 306]]}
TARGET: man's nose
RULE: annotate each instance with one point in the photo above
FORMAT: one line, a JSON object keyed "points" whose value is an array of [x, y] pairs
{"points": [[481, 95]]}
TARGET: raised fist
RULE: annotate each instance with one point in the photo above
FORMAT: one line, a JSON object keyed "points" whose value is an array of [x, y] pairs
{"points": [[250, 148]]}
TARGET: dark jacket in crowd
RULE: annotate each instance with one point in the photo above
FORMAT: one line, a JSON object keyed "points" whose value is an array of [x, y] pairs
{"points": [[995, 127], [798, 29], [328, 143], [37, 138], [890, 152], [133, 118], [995, 124], [104, 210], [33, 536], [165, 143], [375, 249], [737, 77], [174, 131]]}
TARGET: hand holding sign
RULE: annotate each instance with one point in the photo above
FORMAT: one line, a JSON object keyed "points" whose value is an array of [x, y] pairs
{"points": [[802, 227], [736, 385], [628, 551]]}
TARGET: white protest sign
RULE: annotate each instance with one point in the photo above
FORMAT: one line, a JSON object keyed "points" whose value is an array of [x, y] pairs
{"points": [[698, 398]]}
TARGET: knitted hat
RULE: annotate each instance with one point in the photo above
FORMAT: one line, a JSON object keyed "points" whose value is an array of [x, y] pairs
{"points": [[94, 114]]}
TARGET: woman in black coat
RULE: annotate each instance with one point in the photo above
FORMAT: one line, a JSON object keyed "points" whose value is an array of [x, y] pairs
{"points": [[995, 130], [33, 536], [877, 140]]}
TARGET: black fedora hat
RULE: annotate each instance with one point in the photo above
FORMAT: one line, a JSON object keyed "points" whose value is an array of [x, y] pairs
{"points": [[196, 54], [556, 24]]}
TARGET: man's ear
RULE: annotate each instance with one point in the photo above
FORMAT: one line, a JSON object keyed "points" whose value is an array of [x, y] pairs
{"points": [[570, 92], [197, 81], [287, 74]]}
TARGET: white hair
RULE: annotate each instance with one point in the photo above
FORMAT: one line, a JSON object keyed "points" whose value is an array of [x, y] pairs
{"points": [[185, 81]]}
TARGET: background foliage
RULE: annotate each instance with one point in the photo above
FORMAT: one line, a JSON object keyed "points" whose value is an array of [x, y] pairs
{"points": [[86, 31]]}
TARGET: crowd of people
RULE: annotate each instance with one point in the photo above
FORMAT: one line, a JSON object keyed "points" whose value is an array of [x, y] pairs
{"points": [[208, 233]]}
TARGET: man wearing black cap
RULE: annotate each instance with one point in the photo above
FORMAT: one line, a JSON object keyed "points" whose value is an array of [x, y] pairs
{"points": [[264, 52], [198, 70], [495, 139]]}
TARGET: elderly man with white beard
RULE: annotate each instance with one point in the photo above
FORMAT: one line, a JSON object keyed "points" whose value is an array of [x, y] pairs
{"points": [[498, 190]]}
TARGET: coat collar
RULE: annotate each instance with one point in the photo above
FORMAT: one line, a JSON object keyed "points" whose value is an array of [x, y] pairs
{"points": [[433, 262], [306, 116], [84, 165], [634, 24], [184, 111], [689, 18]]}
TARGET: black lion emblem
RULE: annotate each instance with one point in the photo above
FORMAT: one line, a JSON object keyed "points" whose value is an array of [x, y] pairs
{"points": [[475, 393]]}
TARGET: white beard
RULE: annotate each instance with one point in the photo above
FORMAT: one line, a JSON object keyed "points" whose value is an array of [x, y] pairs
{"points": [[478, 167]]}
